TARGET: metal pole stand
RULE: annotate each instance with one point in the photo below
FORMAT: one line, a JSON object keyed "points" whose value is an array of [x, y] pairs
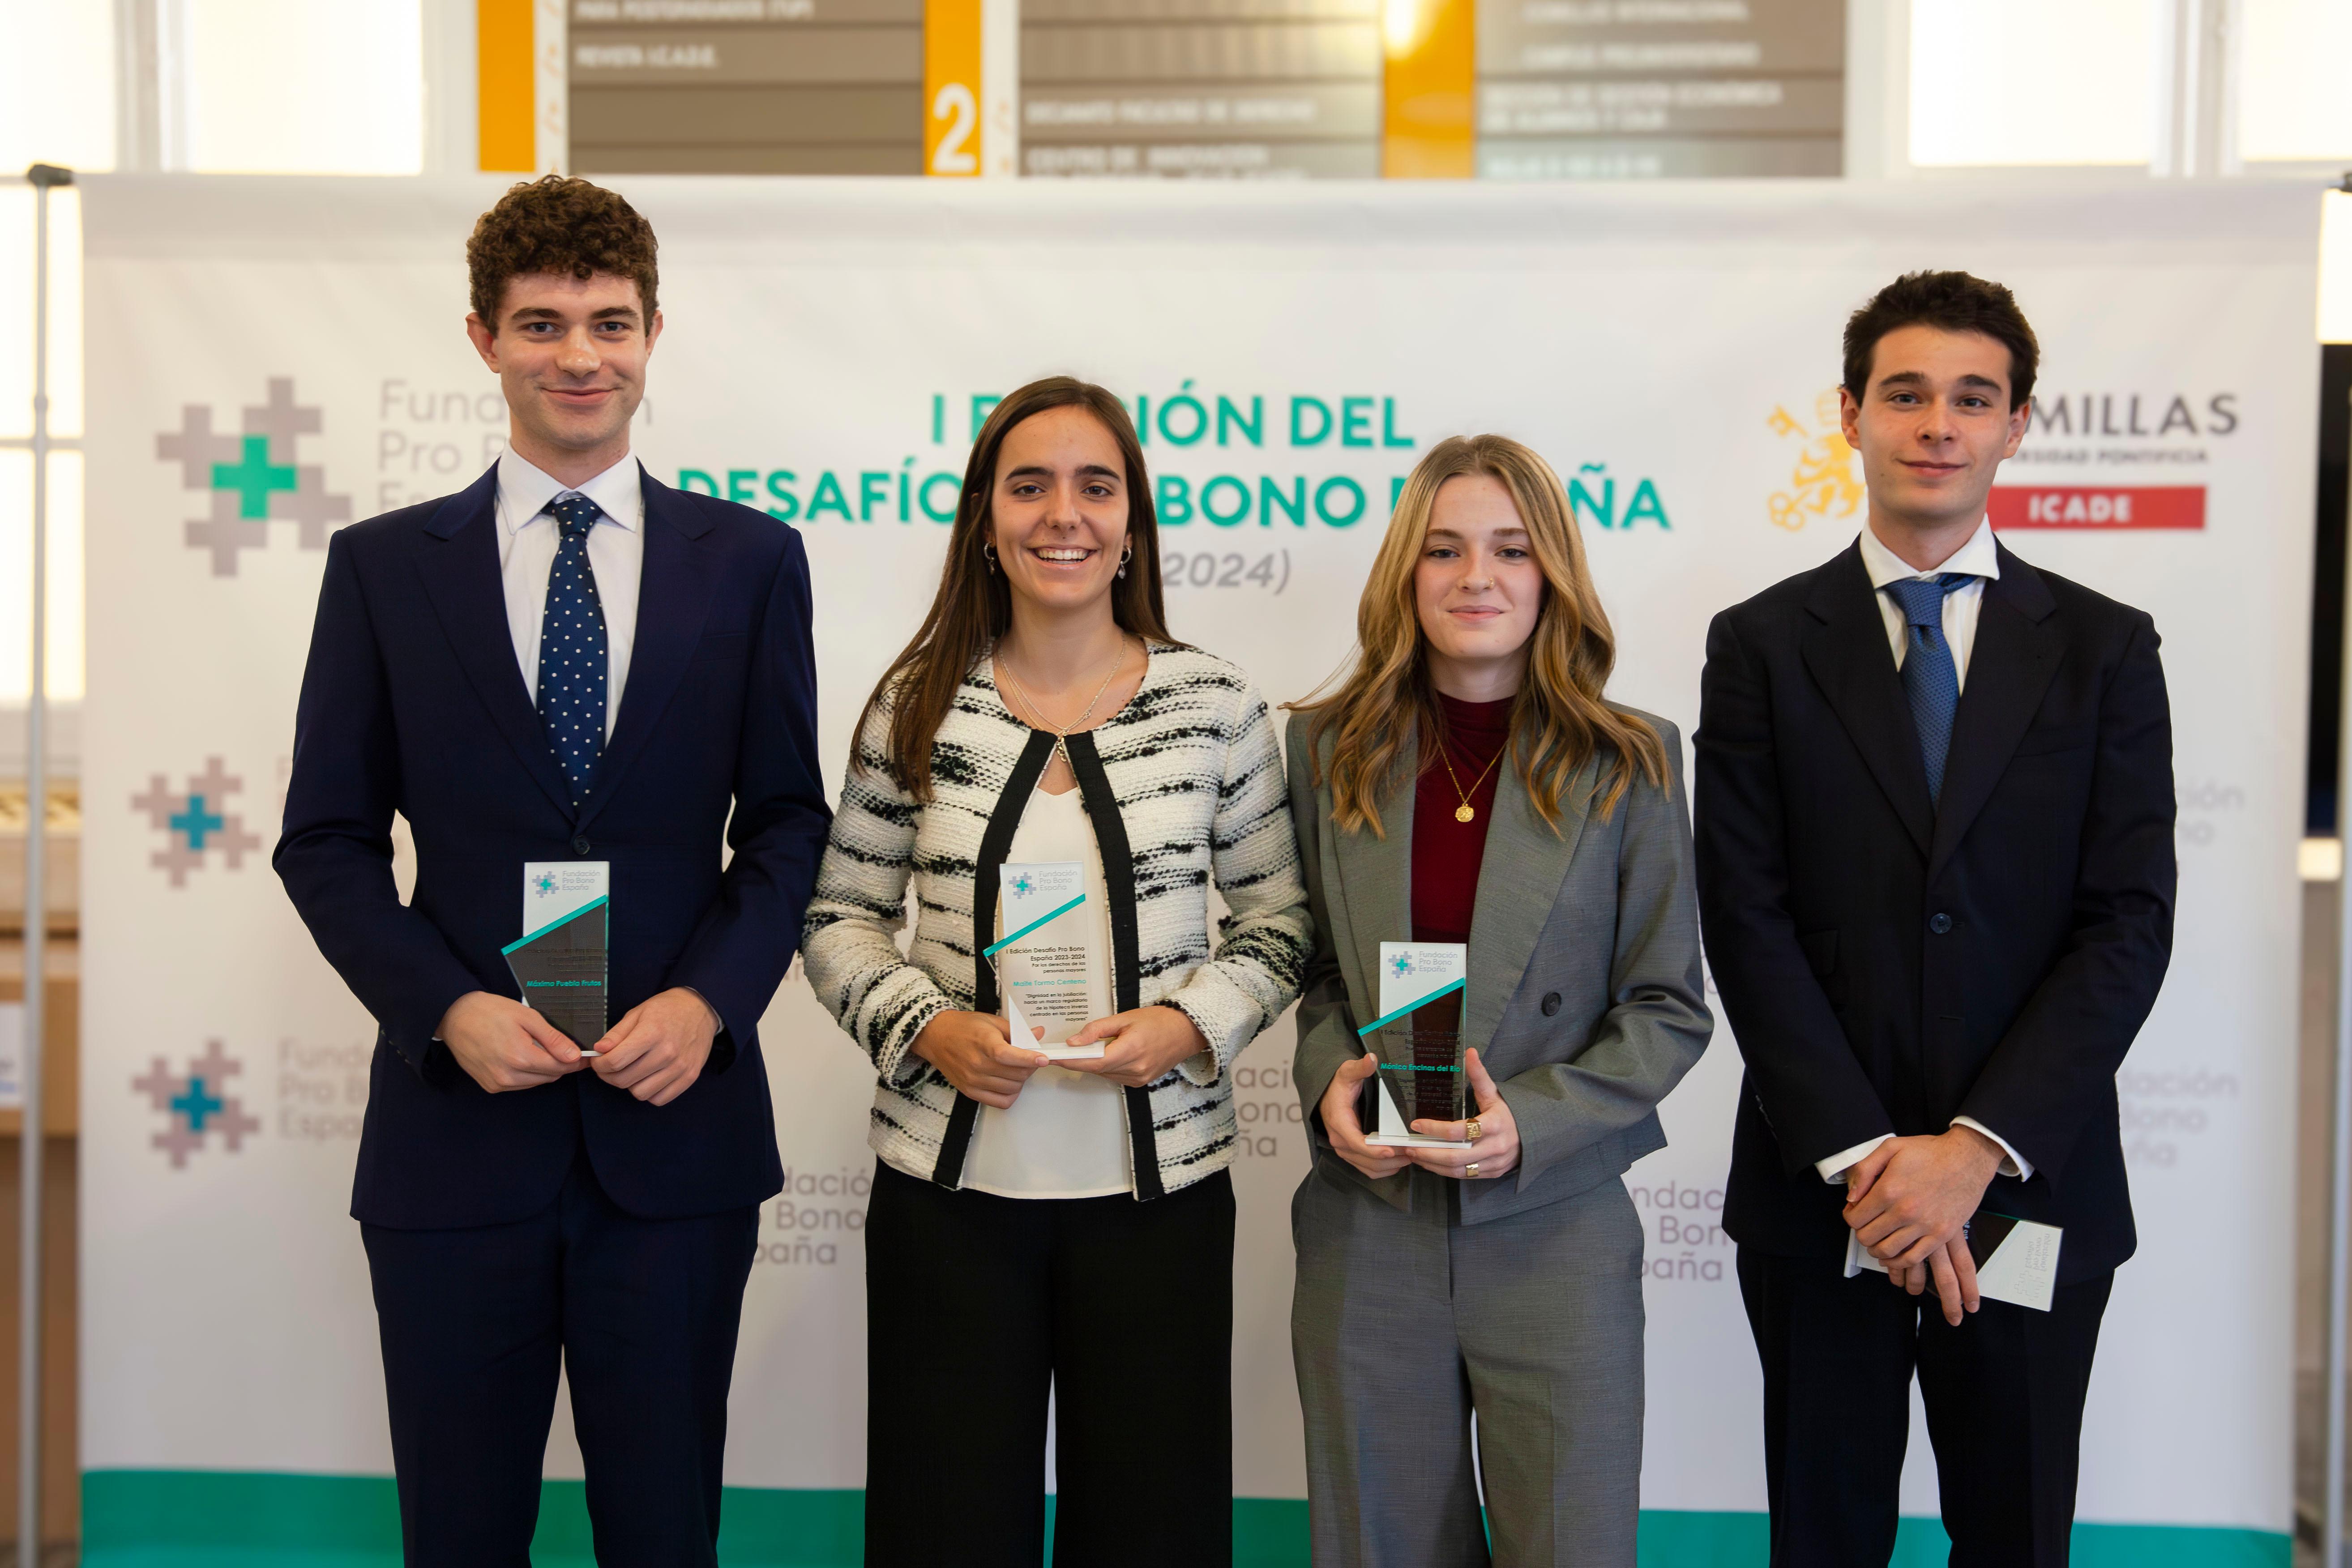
{"points": [[44, 178]]}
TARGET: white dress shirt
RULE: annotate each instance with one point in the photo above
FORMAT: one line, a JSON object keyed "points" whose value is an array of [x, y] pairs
{"points": [[1065, 1136], [527, 536], [1980, 559]]}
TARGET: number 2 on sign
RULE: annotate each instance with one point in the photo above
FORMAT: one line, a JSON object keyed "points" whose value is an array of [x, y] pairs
{"points": [[955, 103]]}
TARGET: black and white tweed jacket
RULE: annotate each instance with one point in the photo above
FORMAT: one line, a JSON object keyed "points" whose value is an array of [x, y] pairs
{"points": [[1183, 783]]}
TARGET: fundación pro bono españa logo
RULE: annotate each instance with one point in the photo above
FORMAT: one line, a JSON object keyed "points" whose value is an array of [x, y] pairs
{"points": [[1401, 964], [253, 477], [196, 820], [196, 1104]]}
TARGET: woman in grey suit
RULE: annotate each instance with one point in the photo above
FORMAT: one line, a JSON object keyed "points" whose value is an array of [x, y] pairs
{"points": [[1465, 781]]}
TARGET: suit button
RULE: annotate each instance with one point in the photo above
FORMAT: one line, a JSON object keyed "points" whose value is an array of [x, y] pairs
{"points": [[1550, 1003], [1939, 924], [579, 847]]}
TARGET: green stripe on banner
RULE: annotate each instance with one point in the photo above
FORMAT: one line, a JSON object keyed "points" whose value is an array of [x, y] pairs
{"points": [[239, 1519], [1677, 1539]]}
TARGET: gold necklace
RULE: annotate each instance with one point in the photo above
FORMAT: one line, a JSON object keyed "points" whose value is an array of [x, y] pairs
{"points": [[1465, 812], [1062, 732]]}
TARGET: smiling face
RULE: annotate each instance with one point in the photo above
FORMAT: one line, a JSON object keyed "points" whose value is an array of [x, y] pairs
{"points": [[1478, 589], [1057, 514], [1933, 426], [571, 353]]}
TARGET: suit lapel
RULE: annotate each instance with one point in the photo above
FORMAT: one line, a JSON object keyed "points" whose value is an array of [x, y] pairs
{"points": [[1846, 651], [458, 559], [1520, 879], [2014, 658], [673, 600], [1375, 881]]}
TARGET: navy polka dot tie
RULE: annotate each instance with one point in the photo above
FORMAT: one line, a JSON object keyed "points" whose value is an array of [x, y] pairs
{"points": [[572, 655], [1930, 680]]}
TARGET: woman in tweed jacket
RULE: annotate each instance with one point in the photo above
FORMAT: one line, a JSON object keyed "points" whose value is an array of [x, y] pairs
{"points": [[1065, 1226]]}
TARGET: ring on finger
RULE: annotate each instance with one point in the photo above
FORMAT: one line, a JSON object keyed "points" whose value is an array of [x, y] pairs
{"points": [[1470, 1128], [1471, 1169]]}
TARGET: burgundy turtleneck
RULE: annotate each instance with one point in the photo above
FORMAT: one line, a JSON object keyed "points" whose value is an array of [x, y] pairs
{"points": [[1447, 852]]}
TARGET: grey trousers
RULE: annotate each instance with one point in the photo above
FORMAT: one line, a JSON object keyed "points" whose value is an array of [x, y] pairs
{"points": [[1403, 1323]]}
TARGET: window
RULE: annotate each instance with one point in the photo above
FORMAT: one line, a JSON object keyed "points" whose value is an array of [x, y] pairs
{"points": [[2018, 82], [57, 85], [2293, 100], [295, 87], [65, 626]]}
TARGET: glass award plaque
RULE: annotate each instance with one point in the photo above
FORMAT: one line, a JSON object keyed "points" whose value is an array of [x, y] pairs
{"points": [[1049, 962], [562, 963], [1421, 1069]]}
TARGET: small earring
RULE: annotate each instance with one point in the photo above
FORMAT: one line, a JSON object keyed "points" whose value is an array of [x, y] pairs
{"points": [[1123, 557], [989, 550]]}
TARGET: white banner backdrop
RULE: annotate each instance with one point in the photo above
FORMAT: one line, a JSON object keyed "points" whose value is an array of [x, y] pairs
{"points": [[270, 357]]}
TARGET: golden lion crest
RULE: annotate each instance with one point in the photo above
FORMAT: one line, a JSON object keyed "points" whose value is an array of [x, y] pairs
{"points": [[1825, 483]]}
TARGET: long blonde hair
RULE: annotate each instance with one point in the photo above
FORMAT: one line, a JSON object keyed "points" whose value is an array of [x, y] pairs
{"points": [[1560, 719]]}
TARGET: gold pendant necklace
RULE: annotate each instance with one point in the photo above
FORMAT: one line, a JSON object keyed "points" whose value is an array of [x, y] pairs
{"points": [[1465, 812]]}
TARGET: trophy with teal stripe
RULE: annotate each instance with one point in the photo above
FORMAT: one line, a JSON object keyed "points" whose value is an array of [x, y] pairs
{"points": [[1049, 962], [562, 968], [1418, 1040]]}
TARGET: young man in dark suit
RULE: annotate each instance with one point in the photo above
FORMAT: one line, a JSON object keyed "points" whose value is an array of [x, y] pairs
{"points": [[567, 661], [1934, 839]]}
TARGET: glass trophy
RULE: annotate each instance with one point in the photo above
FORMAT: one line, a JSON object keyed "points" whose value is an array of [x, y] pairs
{"points": [[1050, 962], [1421, 1074], [561, 969]]}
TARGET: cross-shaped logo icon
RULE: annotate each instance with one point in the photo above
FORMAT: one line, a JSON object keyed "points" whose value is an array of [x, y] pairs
{"points": [[1021, 884], [196, 819], [253, 477], [198, 1104], [1400, 965], [544, 883]]}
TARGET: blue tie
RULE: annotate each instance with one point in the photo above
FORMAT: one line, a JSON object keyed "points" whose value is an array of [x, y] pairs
{"points": [[572, 657], [1930, 680]]}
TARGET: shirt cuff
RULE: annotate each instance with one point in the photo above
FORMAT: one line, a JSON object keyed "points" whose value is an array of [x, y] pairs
{"points": [[2012, 1163], [1835, 1168]]}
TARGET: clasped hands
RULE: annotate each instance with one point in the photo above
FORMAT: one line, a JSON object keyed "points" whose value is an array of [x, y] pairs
{"points": [[976, 1052], [1495, 1151], [1909, 1199], [655, 1051]]}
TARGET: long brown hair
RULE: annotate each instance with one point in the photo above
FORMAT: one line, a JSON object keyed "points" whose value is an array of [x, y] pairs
{"points": [[1560, 718], [973, 607]]}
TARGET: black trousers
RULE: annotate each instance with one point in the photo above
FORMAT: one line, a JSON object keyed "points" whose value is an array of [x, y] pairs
{"points": [[643, 1313], [976, 1305], [2004, 1397]]}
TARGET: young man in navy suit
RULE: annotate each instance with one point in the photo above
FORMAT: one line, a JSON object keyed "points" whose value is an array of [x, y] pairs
{"points": [[567, 661], [1936, 873]]}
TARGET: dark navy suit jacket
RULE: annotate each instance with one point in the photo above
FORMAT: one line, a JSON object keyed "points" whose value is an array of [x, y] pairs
{"points": [[412, 703], [1888, 965]]}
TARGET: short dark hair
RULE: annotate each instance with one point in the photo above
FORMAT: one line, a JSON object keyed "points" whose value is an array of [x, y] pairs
{"points": [[1954, 303], [560, 225]]}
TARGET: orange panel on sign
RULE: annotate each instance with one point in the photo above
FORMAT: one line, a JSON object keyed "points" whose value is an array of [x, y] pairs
{"points": [[1429, 89], [952, 128], [504, 86]]}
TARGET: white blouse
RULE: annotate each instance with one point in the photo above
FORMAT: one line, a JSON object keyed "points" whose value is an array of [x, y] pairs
{"points": [[1065, 1136]]}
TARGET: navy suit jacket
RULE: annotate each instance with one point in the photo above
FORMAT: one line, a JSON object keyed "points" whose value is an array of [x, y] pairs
{"points": [[412, 703], [1888, 965]]}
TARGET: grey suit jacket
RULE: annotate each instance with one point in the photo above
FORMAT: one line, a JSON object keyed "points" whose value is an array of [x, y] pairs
{"points": [[1585, 1000]]}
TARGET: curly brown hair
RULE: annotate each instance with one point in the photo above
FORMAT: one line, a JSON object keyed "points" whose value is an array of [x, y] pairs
{"points": [[560, 225]]}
